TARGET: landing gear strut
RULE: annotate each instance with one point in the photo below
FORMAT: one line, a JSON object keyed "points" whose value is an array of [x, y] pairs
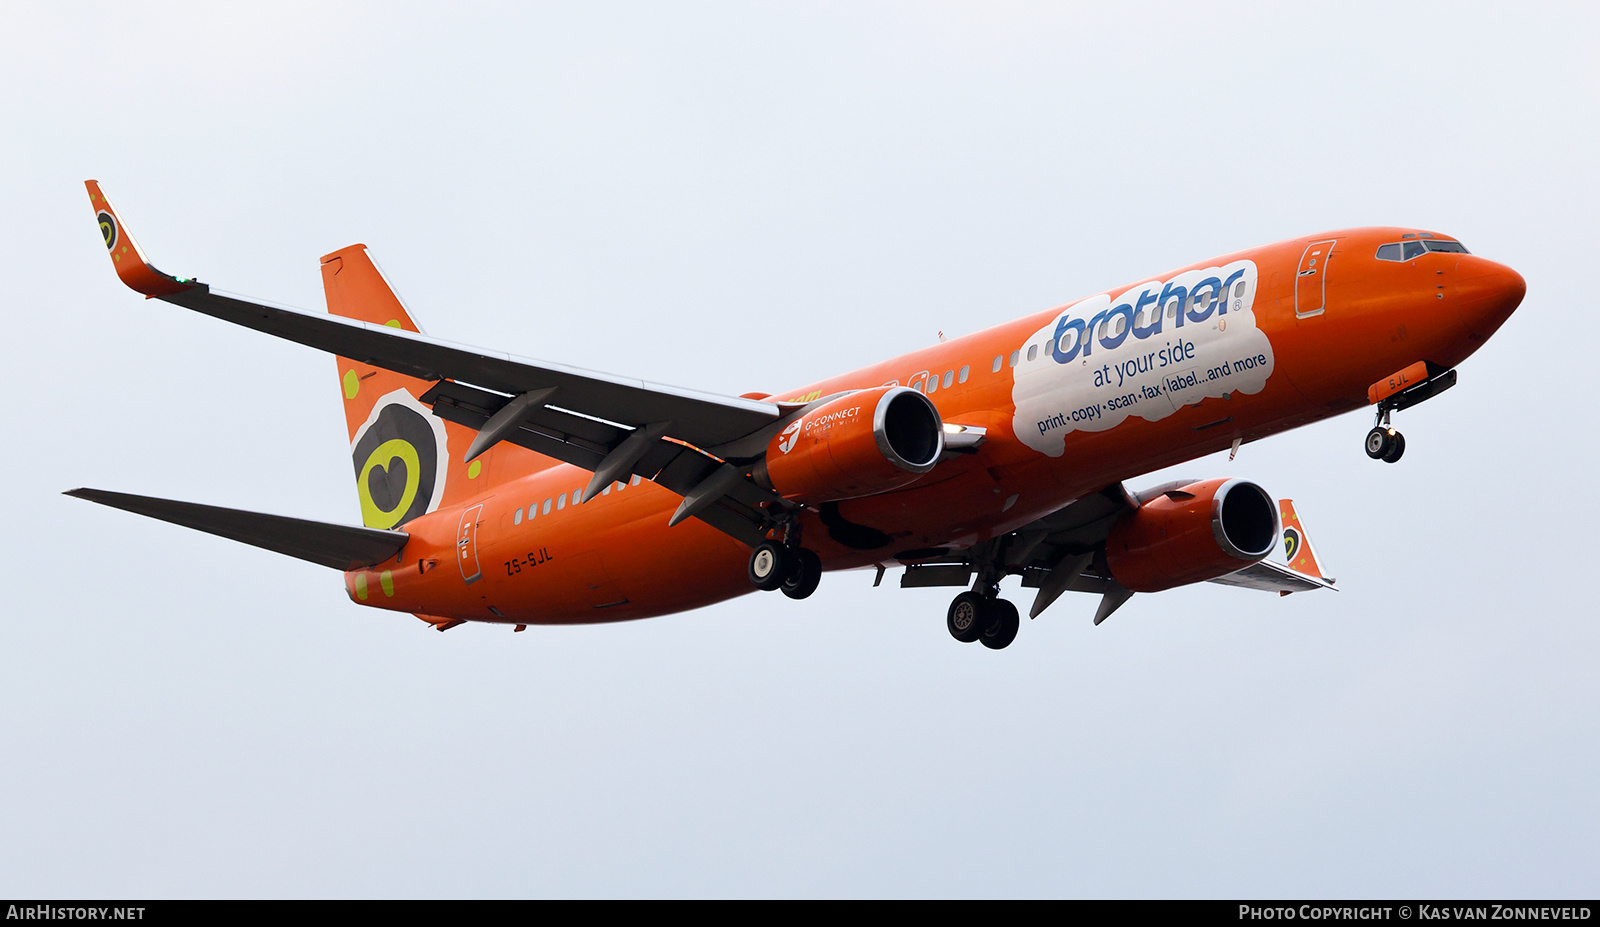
{"points": [[1383, 441]]}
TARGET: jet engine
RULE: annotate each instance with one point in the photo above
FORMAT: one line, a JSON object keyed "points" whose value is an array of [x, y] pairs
{"points": [[868, 442], [1194, 533]]}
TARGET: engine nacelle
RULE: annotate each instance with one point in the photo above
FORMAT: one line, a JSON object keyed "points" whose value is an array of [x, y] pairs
{"points": [[864, 443], [1192, 534]]}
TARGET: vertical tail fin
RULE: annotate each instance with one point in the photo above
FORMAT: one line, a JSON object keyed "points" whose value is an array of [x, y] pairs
{"points": [[1296, 543], [356, 289], [401, 451]]}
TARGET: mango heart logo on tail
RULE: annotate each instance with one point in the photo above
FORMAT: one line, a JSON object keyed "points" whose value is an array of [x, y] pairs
{"points": [[400, 459], [108, 229], [1291, 544]]}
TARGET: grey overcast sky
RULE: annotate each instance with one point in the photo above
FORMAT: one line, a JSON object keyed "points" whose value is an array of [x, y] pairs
{"points": [[748, 196]]}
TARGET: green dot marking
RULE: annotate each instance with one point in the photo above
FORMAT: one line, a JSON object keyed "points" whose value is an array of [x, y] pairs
{"points": [[352, 384], [473, 469], [361, 586], [386, 579], [393, 323]]}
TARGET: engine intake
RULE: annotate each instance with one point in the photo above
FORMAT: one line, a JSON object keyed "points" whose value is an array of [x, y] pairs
{"points": [[1192, 534], [857, 445]]}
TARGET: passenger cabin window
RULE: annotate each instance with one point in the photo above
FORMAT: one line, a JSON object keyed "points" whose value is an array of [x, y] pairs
{"points": [[965, 369], [546, 507], [949, 378], [1015, 356], [634, 481], [999, 361], [561, 502], [933, 385], [1033, 351], [516, 519]]}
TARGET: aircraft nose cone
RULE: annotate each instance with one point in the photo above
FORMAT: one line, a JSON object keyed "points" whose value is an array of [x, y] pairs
{"points": [[1487, 293]]}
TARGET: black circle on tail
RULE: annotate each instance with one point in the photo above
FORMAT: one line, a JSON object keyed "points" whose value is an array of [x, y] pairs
{"points": [[396, 462], [108, 229]]}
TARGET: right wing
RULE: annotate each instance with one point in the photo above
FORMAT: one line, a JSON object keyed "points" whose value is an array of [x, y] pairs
{"points": [[1058, 553], [339, 546]]}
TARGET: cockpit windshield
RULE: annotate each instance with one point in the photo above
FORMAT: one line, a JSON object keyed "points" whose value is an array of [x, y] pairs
{"points": [[1406, 250]]}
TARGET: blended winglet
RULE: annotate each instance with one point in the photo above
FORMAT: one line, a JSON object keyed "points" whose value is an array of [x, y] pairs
{"points": [[132, 267]]}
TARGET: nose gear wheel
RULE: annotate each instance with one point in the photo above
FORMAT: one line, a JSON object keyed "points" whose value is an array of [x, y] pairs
{"points": [[1383, 442]]}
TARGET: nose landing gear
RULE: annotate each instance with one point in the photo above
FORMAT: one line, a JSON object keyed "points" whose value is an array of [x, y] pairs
{"points": [[1402, 390]]}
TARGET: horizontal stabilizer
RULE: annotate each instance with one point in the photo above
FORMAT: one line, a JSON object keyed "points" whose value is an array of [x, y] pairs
{"points": [[338, 546], [1268, 576]]}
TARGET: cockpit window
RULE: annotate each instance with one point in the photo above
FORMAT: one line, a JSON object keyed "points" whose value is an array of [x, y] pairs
{"points": [[1406, 250]]}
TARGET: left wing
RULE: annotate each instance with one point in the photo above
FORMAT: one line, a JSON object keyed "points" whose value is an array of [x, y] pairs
{"points": [[614, 426]]}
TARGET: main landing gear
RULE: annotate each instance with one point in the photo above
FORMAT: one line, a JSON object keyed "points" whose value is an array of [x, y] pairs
{"points": [[1383, 442], [795, 570], [974, 616]]}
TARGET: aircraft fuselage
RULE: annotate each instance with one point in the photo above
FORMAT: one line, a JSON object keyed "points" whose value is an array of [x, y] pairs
{"points": [[1171, 368]]}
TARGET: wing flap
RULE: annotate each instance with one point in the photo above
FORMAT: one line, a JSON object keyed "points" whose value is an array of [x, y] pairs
{"points": [[341, 547]]}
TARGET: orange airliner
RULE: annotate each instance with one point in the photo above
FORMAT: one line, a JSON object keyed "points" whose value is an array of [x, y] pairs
{"points": [[500, 489]]}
